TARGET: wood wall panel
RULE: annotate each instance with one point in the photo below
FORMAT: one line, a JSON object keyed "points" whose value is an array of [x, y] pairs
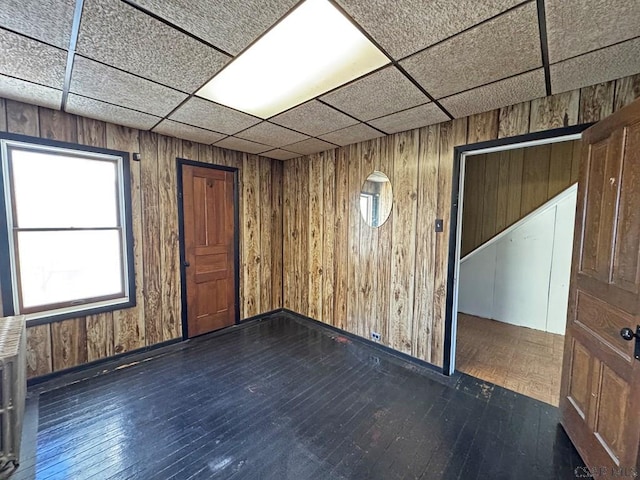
{"points": [[316, 204], [129, 324], [405, 299], [251, 233], [503, 187], [157, 316], [403, 240]]}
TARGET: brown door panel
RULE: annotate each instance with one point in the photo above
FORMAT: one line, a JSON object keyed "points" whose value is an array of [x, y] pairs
{"points": [[600, 393], [208, 205]]}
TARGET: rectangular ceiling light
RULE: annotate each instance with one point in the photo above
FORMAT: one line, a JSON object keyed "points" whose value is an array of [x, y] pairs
{"points": [[311, 51]]}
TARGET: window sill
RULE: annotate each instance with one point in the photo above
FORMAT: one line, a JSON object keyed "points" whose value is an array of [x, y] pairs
{"points": [[53, 316]]}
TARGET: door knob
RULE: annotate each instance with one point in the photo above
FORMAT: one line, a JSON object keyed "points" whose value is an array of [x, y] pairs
{"points": [[628, 334], [186, 264]]}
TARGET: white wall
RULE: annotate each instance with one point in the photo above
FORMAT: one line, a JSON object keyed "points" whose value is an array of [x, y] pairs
{"points": [[521, 276]]}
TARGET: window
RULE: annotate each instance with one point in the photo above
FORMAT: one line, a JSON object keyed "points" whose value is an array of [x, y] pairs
{"points": [[65, 232]]}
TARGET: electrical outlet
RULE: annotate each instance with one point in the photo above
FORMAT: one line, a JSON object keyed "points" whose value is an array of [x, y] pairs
{"points": [[375, 336]]}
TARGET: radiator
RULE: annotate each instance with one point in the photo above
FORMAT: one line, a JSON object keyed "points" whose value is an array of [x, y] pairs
{"points": [[12, 390]]}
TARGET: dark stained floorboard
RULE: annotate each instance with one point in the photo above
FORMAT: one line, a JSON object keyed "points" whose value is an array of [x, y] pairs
{"points": [[287, 399]]}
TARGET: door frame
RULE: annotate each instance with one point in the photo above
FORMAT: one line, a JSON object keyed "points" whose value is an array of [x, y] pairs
{"points": [[180, 162], [455, 233]]}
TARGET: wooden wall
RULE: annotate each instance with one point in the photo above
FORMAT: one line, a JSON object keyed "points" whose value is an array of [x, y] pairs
{"points": [[393, 279], [157, 316], [501, 188]]}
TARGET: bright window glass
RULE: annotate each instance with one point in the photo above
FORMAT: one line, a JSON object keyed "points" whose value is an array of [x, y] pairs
{"points": [[66, 229]]}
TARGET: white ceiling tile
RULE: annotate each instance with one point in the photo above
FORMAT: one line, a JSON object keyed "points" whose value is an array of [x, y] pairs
{"points": [[188, 132], [95, 80], [279, 154], [31, 60], [506, 92], [596, 67], [106, 112], [46, 20], [242, 145], [309, 146], [313, 118], [403, 27], [409, 119], [505, 46], [353, 134], [230, 25], [26, 92], [381, 93], [270, 134], [211, 116], [117, 34], [579, 26]]}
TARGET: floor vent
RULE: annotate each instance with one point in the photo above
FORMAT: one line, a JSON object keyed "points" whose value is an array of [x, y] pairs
{"points": [[12, 390]]}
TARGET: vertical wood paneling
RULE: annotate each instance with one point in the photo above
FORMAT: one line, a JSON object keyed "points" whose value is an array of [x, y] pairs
{"points": [[315, 222], [483, 126], [39, 360], [596, 102], [514, 120], [168, 150], [385, 234], [502, 205], [535, 178], [251, 268], [556, 111], [516, 160], [22, 118], [57, 125], [276, 234], [559, 167], [367, 277], [288, 203], [99, 331], [405, 196], [490, 208], [626, 91], [353, 264], [69, 343], [151, 259], [3, 115], [129, 324], [428, 158], [328, 235], [303, 227], [341, 240], [265, 211]]}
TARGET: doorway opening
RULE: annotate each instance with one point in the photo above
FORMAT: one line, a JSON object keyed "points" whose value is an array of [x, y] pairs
{"points": [[511, 240], [208, 222]]}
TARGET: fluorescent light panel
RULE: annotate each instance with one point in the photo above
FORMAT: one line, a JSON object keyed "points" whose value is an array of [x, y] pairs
{"points": [[311, 51]]}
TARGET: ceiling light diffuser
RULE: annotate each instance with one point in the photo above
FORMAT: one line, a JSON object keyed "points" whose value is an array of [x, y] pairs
{"points": [[311, 51]]}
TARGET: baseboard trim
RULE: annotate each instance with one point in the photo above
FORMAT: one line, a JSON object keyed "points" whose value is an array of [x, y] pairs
{"points": [[109, 364], [378, 346]]}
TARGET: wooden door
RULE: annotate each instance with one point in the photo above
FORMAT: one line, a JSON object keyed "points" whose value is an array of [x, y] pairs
{"points": [[208, 213], [600, 395]]}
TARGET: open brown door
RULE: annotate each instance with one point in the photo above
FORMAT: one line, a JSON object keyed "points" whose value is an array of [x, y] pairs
{"points": [[208, 215], [600, 395]]}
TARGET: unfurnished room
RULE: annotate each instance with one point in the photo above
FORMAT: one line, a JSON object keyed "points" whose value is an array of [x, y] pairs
{"points": [[319, 239]]}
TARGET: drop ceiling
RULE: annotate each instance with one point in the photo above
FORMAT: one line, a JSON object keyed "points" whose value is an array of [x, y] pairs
{"points": [[140, 62]]}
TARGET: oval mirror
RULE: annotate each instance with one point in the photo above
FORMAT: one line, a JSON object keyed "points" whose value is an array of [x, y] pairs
{"points": [[376, 199]]}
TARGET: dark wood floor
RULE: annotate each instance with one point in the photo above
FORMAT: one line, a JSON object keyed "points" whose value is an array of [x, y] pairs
{"points": [[285, 399]]}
